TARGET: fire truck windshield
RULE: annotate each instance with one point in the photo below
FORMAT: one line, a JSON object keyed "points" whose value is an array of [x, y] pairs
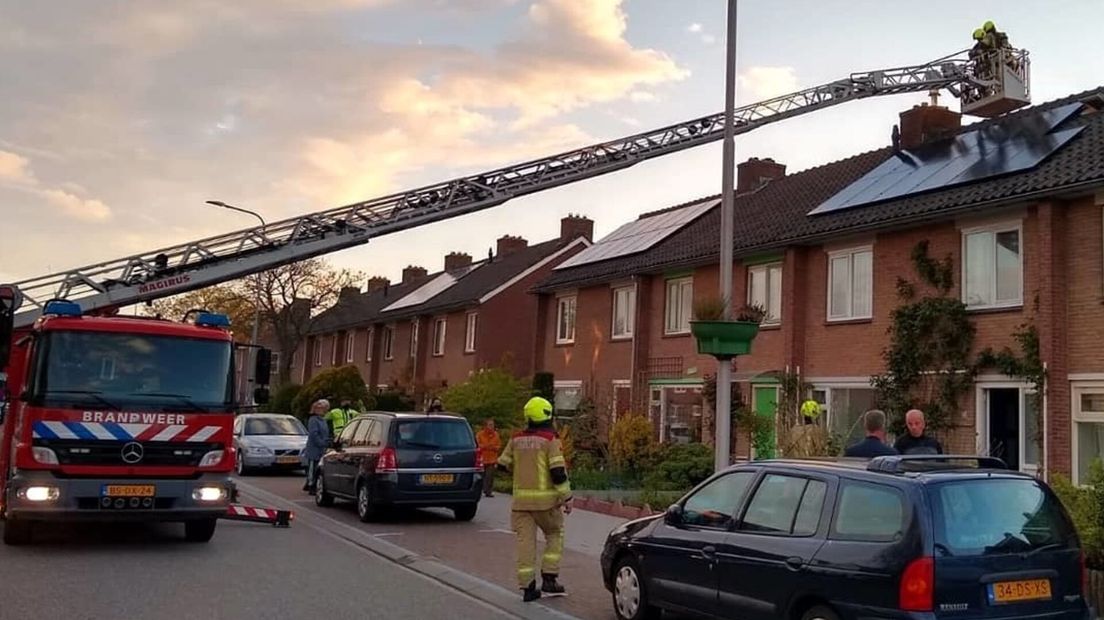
{"points": [[126, 371]]}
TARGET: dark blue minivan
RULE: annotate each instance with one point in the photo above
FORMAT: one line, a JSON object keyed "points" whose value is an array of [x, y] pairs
{"points": [[917, 537]]}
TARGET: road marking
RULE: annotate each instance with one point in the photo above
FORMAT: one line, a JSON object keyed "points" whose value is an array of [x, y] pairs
{"points": [[389, 534], [498, 531]]}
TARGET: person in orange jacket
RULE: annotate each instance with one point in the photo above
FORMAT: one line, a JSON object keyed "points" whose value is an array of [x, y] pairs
{"points": [[489, 445]]}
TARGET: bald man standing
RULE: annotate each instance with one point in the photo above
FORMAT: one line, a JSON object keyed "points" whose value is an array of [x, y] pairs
{"points": [[915, 441]]}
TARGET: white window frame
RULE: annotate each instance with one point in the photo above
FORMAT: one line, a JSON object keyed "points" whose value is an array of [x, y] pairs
{"points": [[333, 350], [841, 383], [567, 385], [774, 318], [470, 331], [566, 301], [981, 418], [370, 340], [414, 338], [439, 336], [685, 288], [850, 253], [350, 346], [389, 342], [627, 293], [993, 229], [317, 351], [1077, 416]]}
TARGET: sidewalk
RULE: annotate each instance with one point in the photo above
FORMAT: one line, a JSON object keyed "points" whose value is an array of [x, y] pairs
{"points": [[586, 531]]}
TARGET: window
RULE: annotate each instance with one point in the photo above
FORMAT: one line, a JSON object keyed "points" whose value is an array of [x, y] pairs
{"points": [[994, 516], [868, 512], [439, 326], [624, 312], [843, 408], [318, 352], [389, 342], [333, 350], [413, 338], [295, 357], [361, 436], [375, 438], [350, 346], [850, 284], [568, 396], [785, 505], [765, 291], [469, 333], [347, 434], [368, 346], [715, 504], [1088, 430], [993, 267], [565, 320], [442, 434], [275, 361], [680, 297]]}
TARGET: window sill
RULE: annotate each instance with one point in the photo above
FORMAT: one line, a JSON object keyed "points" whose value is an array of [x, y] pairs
{"points": [[856, 321], [438, 355], [1018, 307], [677, 334], [770, 327], [565, 343], [472, 352], [625, 338]]}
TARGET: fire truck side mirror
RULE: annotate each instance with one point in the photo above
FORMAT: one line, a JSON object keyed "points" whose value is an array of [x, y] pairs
{"points": [[262, 369], [260, 395], [10, 300]]}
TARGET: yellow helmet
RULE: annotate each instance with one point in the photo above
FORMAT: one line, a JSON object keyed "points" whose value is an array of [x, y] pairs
{"points": [[989, 26], [810, 409], [979, 34], [538, 410]]}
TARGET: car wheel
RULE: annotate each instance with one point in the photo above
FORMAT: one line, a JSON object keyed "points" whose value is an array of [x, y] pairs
{"points": [[240, 466], [365, 509], [199, 531], [465, 512], [820, 612], [322, 497], [18, 532], [630, 596]]}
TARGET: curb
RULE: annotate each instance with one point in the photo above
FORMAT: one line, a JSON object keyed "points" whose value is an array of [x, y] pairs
{"points": [[613, 509], [487, 592]]}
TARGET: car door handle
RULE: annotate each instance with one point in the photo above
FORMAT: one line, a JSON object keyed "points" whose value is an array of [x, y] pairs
{"points": [[707, 553], [795, 563]]}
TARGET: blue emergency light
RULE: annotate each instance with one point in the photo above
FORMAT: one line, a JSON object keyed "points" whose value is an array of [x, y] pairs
{"points": [[62, 308], [211, 319]]}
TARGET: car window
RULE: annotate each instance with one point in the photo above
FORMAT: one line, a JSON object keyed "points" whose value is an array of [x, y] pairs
{"points": [[346, 436], [375, 437], [994, 516], [774, 507], [440, 434], [274, 426], [869, 512], [715, 504], [238, 425], [361, 436], [808, 513]]}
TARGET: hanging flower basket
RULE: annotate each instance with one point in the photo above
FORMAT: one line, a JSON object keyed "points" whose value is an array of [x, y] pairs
{"points": [[724, 339]]}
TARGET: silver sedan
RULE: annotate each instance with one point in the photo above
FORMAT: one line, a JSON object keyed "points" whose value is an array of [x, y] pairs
{"points": [[268, 441]]}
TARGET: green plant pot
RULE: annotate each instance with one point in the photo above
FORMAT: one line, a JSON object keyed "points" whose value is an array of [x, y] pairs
{"points": [[724, 339]]}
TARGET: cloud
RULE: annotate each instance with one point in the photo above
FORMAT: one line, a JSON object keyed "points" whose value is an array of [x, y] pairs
{"points": [[694, 28], [14, 168], [641, 96], [708, 39], [80, 208], [759, 83], [15, 172]]}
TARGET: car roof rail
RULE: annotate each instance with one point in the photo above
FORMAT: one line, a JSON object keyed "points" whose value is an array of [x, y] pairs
{"points": [[897, 464]]}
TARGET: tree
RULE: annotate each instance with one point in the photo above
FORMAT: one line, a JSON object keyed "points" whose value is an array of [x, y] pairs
{"points": [[336, 384], [223, 298], [284, 398], [490, 393]]}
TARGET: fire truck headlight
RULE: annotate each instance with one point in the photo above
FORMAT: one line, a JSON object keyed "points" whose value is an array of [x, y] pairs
{"points": [[214, 457], [39, 494], [209, 494], [45, 456]]}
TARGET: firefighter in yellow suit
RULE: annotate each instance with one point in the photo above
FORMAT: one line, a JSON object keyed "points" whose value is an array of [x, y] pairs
{"points": [[542, 496]]}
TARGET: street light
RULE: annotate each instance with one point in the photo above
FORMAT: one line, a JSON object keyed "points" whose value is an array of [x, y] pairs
{"points": [[728, 158], [256, 298]]}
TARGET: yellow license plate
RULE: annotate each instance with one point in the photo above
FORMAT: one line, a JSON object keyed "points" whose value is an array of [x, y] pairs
{"points": [[129, 490], [437, 478], [1017, 591], [287, 459]]}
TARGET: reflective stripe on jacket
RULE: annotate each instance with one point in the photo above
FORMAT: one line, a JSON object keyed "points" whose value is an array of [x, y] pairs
{"points": [[532, 455]]}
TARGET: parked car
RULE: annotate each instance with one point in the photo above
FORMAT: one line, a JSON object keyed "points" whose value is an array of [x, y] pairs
{"points": [[383, 460], [896, 537], [269, 441]]}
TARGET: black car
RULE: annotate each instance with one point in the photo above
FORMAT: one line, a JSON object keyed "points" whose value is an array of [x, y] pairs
{"points": [[896, 537], [383, 460]]}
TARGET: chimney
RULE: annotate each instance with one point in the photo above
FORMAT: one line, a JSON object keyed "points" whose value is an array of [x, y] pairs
{"points": [[457, 260], [508, 245], [377, 283], [755, 173], [347, 293], [413, 274], [574, 226], [928, 123]]}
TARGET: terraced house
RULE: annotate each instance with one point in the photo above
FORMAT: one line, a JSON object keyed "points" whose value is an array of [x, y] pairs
{"points": [[430, 331], [1014, 202]]}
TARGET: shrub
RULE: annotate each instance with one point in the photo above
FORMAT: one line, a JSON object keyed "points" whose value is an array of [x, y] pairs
{"points": [[681, 467], [334, 384], [632, 446], [1085, 506], [490, 393], [284, 397], [394, 400], [710, 308]]}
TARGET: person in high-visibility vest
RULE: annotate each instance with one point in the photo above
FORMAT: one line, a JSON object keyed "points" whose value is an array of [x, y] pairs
{"points": [[340, 417], [542, 496], [810, 411]]}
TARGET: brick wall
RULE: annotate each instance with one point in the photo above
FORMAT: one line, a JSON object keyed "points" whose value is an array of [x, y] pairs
{"points": [[594, 358], [455, 366]]}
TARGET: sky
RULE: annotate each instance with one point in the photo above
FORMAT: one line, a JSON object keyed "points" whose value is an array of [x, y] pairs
{"points": [[119, 118]]}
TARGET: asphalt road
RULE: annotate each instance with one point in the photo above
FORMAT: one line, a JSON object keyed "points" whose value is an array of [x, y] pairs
{"points": [[247, 571]]}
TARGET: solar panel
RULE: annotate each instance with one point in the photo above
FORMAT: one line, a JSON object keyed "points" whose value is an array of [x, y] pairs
{"points": [[999, 148], [430, 289], [639, 235]]}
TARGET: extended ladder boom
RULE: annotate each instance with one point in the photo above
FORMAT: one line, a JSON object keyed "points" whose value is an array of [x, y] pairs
{"points": [[189, 266]]}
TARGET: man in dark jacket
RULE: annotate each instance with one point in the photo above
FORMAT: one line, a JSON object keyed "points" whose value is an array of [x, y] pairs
{"points": [[874, 421], [318, 439], [915, 441]]}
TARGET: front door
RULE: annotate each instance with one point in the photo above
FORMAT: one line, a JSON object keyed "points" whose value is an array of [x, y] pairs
{"points": [[1011, 424], [765, 403]]}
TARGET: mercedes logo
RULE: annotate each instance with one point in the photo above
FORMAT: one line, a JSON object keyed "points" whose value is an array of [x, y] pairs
{"points": [[133, 452], [437, 458]]}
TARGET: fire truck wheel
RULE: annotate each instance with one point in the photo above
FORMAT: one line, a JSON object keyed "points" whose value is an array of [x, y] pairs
{"points": [[199, 531], [17, 532]]}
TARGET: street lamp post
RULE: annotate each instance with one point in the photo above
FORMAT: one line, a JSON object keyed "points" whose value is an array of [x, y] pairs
{"points": [[256, 298], [724, 366]]}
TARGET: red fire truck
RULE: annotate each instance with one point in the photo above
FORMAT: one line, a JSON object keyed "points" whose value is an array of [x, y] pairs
{"points": [[113, 418]]}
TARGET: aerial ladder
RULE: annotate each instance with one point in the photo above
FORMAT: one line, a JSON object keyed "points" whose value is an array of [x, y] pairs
{"points": [[986, 87]]}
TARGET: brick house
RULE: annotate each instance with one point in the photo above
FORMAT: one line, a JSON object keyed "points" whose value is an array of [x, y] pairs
{"points": [[1027, 245], [433, 330]]}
